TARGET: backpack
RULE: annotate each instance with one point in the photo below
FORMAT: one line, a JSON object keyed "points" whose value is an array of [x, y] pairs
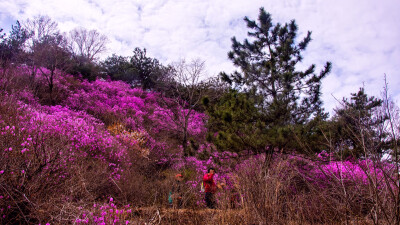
{"points": [[170, 197], [202, 187]]}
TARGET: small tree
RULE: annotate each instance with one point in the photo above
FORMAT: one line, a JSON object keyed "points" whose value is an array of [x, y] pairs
{"points": [[51, 53], [39, 28], [118, 68], [186, 95], [138, 70], [360, 115], [147, 70], [12, 46], [366, 128]]}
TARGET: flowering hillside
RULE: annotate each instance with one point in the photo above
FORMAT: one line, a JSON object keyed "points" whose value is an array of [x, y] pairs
{"points": [[96, 125], [104, 148]]}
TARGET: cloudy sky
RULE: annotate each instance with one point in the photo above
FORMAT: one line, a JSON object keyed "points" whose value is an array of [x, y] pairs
{"points": [[360, 37]]}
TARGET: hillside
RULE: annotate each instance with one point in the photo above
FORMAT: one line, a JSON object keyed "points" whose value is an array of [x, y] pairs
{"points": [[105, 140]]}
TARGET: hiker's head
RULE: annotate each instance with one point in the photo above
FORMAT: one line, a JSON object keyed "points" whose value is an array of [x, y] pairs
{"points": [[211, 170], [178, 177]]}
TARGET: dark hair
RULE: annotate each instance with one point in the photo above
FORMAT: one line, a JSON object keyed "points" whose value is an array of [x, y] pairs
{"points": [[208, 170]]}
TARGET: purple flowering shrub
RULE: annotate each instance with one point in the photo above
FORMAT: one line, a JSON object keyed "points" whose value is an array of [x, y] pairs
{"points": [[135, 108], [326, 170], [105, 213], [46, 150], [317, 189]]}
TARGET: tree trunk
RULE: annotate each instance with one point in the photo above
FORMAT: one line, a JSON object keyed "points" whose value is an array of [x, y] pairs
{"points": [[51, 85], [184, 142], [269, 152]]}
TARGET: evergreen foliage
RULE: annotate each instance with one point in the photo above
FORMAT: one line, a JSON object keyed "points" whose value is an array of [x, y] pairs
{"points": [[268, 63], [11, 46], [87, 69], [138, 70], [118, 68], [235, 123], [358, 121]]}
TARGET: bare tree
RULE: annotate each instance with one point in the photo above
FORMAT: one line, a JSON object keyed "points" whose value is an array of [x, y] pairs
{"points": [[186, 95], [46, 50], [393, 117], [51, 54], [39, 28], [87, 44]]}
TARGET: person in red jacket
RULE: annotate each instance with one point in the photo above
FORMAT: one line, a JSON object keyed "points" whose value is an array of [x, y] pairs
{"points": [[209, 188]]}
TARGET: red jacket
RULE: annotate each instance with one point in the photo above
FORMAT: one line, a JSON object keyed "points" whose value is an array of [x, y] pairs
{"points": [[209, 185]]}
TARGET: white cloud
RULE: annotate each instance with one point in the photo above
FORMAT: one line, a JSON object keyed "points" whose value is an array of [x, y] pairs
{"points": [[360, 38]]}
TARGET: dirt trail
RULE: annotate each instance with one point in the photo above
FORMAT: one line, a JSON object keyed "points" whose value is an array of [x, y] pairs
{"points": [[153, 215]]}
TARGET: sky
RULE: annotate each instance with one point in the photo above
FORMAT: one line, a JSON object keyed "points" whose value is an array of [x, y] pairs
{"points": [[360, 37]]}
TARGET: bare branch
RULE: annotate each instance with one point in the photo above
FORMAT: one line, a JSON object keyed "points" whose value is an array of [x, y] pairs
{"points": [[87, 43]]}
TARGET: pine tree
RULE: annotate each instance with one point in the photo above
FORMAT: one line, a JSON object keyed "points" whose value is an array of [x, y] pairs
{"points": [[267, 63], [359, 127], [235, 123], [138, 70], [11, 46], [147, 70]]}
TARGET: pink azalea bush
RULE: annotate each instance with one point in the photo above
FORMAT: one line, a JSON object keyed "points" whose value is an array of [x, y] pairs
{"points": [[105, 213], [135, 108], [43, 149]]}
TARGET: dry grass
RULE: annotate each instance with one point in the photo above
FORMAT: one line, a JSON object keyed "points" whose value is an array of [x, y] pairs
{"points": [[152, 215]]}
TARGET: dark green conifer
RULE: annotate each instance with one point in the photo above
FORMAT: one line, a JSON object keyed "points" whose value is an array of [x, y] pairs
{"points": [[358, 126], [268, 64], [235, 123]]}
